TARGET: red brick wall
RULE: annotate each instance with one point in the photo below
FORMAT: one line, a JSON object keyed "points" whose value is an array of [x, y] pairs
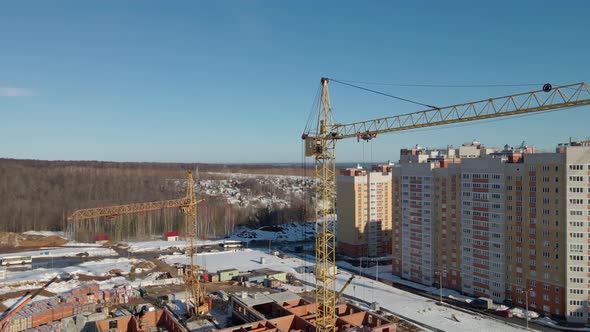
{"points": [[352, 250]]}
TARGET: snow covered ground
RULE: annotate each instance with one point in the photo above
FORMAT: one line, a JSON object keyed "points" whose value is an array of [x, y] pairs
{"points": [[158, 245], [254, 176], [243, 260], [64, 252], [44, 233], [81, 244], [398, 301], [553, 324], [15, 279], [10, 302], [385, 274], [288, 232]]}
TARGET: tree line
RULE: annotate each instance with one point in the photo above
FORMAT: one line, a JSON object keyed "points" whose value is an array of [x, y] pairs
{"points": [[39, 195]]}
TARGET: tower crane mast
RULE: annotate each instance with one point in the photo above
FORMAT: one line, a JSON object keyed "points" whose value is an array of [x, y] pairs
{"points": [[188, 206], [320, 143]]}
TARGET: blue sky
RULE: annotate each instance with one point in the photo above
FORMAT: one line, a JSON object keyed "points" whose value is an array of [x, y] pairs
{"points": [[233, 81]]}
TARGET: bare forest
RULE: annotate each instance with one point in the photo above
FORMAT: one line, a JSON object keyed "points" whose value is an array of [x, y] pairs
{"points": [[39, 195]]}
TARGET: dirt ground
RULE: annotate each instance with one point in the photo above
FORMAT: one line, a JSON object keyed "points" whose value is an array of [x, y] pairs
{"points": [[19, 294], [210, 287], [10, 240], [84, 277]]}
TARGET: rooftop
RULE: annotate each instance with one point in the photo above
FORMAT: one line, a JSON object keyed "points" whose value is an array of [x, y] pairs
{"points": [[266, 271], [254, 299], [201, 325], [287, 312]]}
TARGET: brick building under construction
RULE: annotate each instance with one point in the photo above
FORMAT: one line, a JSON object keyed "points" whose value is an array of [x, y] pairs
{"points": [[288, 312]]}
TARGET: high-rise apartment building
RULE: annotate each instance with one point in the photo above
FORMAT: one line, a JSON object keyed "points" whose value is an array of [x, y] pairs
{"points": [[547, 215], [414, 258], [426, 214], [483, 228], [447, 224], [364, 212], [505, 224]]}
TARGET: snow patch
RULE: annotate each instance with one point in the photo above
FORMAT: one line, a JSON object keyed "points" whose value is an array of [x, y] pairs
{"points": [[521, 313], [45, 233], [283, 233], [92, 268], [286, 232], [10, 302], [65, 252], [159, 245]]}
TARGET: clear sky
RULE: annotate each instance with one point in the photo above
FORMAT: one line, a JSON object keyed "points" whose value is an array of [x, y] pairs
{"points": [[233, 81]]}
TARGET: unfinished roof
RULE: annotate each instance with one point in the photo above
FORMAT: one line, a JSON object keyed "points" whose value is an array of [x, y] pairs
{"points": [[266, 271], [150, 321], [287, 312], [253, 299], [201, 325]]}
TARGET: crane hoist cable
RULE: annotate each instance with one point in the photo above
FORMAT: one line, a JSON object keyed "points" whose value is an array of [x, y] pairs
{"points": [[385, 94], [314, 106], [443, 85]]}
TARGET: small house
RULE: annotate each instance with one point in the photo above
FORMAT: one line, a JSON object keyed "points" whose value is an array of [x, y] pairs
{"points": [[101, 239], [241, 277], [226, 275], [272, 274], [171, 236], [256, 278]]}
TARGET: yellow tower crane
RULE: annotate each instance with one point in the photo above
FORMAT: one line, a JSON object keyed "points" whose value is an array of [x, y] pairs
{"points": [[188, 205], [320, 143]]}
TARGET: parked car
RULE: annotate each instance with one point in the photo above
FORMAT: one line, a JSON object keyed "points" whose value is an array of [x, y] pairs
{"points": [[503, 313]]}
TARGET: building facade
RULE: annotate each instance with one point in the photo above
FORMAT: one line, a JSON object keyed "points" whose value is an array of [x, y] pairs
{"points": [[415, 247], [447, 225], [505, 224], [483, 228], [364, 212]]}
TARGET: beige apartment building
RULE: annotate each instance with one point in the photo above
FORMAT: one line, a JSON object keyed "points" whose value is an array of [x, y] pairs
{"points": [[502, 224], [364, 212], [548, 214], [447, 224]]}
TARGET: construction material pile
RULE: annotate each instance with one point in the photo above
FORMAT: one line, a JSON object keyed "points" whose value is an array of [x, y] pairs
{"points": [[87, 298]]}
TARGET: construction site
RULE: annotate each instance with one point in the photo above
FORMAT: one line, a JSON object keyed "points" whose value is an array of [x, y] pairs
{"points": [[134, 309], [207, 290], [269, 166]]}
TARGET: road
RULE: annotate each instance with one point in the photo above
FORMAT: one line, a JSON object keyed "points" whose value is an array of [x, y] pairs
{"points": [[459, 304]]}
